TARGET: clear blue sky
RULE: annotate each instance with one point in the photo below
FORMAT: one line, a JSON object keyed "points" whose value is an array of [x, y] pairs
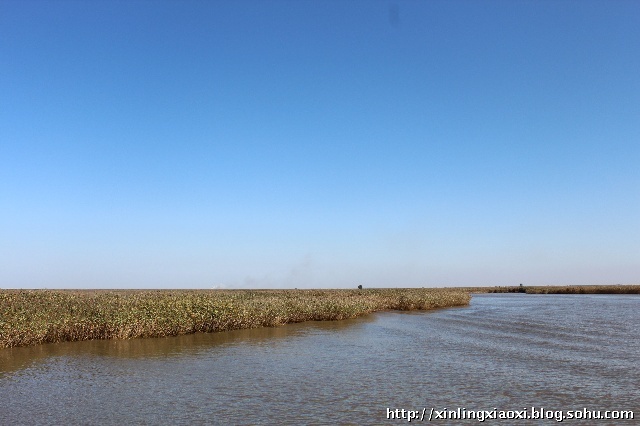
{"points": [[276, 144]]}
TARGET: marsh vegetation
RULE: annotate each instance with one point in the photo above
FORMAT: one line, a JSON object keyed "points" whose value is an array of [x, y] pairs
{"points": [[561, 289], [31, 317]]}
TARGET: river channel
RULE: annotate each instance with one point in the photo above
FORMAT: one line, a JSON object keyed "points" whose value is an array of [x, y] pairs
{"points": [[503, 352]]}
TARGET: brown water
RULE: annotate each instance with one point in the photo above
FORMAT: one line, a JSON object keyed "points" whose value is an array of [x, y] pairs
{"points": [[508, 352]]}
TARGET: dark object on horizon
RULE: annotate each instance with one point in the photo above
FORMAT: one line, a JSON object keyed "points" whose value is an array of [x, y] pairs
{"points": [[512, 289], [360, 287]]}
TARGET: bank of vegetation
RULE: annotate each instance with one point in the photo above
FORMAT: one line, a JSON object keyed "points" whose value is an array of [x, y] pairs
{"points": [[567, 289], [31, 317]]}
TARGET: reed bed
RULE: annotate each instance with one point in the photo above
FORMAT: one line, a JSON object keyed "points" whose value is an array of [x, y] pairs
{"points": [[566, 289], [31, 317]]}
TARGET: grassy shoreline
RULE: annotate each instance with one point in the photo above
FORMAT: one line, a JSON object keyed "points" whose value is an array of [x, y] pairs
{"points": [[32, 317], [560, 289]]}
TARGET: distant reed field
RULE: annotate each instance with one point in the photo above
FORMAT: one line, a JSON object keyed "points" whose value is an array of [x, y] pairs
{"points": [[31, 317], [561, 289]]}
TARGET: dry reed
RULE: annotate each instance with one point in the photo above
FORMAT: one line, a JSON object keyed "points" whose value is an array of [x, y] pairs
{"points": [[566, 289], [31, 317]]}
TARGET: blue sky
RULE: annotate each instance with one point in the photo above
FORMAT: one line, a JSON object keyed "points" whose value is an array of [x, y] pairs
{"points": [[277, 144]]}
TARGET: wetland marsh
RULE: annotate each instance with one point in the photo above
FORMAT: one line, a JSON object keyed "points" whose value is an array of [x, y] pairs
{"points": [[30, 317], [510, 351]]}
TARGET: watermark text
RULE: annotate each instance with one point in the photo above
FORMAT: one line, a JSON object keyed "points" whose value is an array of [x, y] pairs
{"points": [[531, 413]]}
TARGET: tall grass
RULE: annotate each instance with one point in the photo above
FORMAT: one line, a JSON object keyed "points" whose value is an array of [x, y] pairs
{"points": [[44, 316]]}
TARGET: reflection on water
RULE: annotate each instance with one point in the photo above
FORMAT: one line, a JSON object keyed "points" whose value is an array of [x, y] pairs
{"points": [[16, 358], [508, 351]]}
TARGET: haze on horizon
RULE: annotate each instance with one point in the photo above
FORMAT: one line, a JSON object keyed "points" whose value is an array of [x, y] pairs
{"points": [[281, 144]]}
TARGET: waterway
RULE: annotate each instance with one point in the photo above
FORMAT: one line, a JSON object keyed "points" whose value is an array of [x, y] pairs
{"points": [[503, 352]]}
